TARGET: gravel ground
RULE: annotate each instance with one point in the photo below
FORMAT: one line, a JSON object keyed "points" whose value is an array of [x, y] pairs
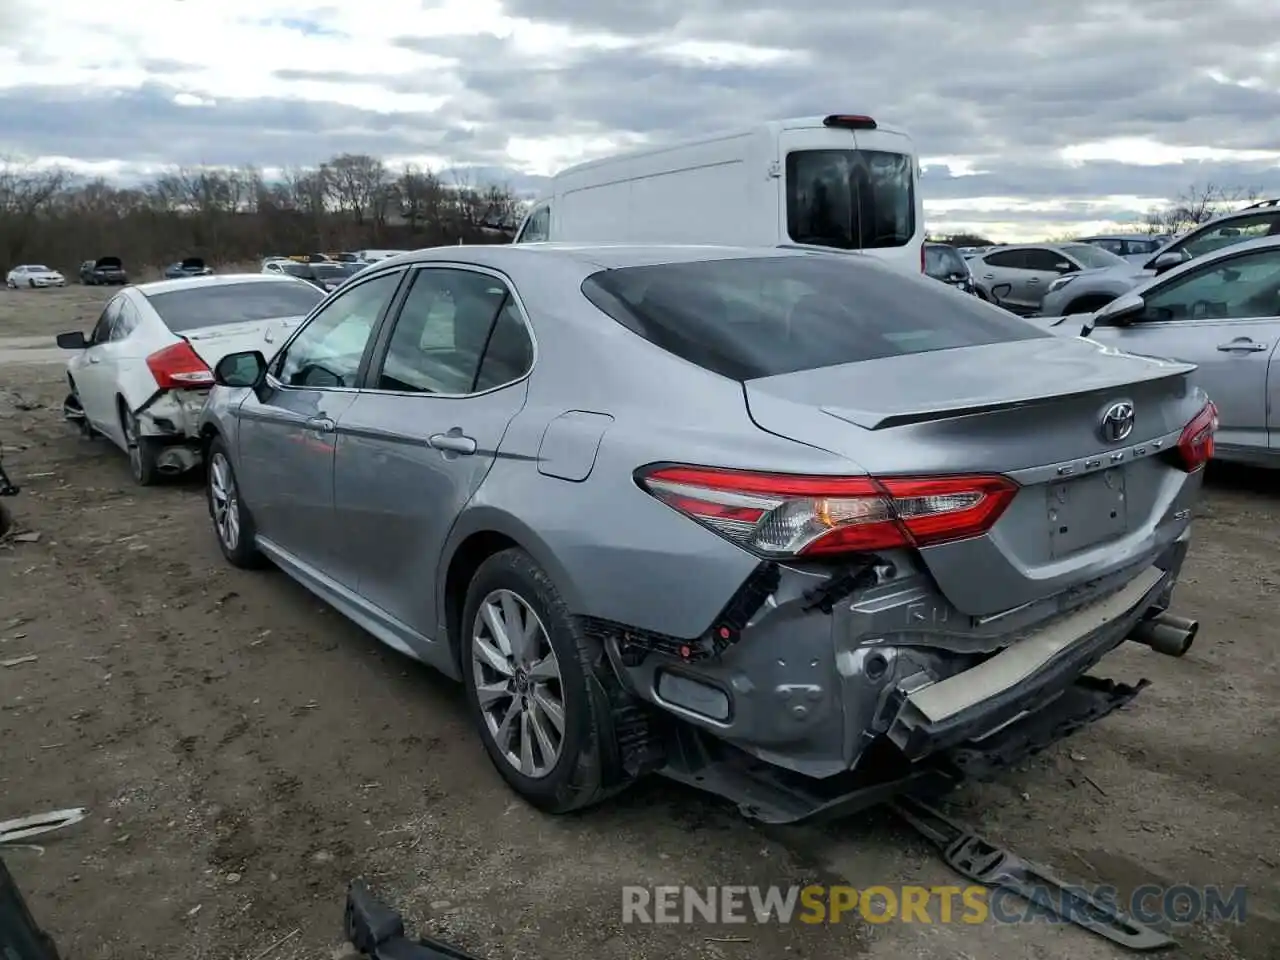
{"points": [[245, 751]]}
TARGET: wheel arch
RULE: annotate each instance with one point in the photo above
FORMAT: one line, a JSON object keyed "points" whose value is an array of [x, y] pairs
{"points": [[479, 534]]}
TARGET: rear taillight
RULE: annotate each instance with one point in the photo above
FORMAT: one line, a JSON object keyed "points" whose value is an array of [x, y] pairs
{"points": [[179, 368], [782, 515], [1195, 445]]}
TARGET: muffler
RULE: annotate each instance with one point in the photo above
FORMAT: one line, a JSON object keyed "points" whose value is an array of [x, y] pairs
{"points": [[175, 460], [1167, 634]]}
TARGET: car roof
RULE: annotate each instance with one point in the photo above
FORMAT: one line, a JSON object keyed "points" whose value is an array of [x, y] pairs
{"points": [[217, 280], [1118, 236], [610, 256]]}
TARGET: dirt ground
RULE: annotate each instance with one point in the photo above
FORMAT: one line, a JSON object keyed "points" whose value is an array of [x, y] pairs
{"points": [[244, 752]]}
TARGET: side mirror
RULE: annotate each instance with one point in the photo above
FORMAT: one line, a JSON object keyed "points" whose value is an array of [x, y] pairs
{"points": [[1064, 267], [245, 369], [1121, 311], [1166, 262], [72, 341]]}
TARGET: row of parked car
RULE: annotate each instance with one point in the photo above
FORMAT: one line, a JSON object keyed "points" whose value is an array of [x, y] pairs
{"points": [[1058, 279]]}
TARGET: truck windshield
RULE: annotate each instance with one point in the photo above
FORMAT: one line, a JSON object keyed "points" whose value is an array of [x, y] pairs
{"points": [[851, 199]]}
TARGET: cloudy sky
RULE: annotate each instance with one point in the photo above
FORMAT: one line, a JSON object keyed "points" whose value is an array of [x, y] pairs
{"points": [[1031, 118]]}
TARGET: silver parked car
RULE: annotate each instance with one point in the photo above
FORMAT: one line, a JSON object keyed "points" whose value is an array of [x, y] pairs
{"points": [[794, 527], [1137, 248], [1220, 311], [1089, 292], [1018, 277]]}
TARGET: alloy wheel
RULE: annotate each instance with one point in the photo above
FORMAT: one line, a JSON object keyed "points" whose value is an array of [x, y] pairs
{"points": [[226, 502], [518, 683]]}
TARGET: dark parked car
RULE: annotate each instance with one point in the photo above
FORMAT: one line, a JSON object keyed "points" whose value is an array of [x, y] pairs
{"points": [[188, 267], [944, 262], [103, 271]]}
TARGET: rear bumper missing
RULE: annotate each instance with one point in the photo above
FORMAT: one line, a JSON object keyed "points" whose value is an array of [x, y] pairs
{"points": [[1023, 678]]}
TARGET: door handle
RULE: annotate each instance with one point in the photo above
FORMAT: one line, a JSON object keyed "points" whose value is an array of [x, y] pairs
{"points": [[94, 358], [1033, 280], [452, 443], [1246, 346], [988, 276], [321, 425]]}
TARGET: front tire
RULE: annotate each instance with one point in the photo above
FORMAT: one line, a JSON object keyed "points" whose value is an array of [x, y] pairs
{"points": [[6, 519], [232, 524], [534, 687]]}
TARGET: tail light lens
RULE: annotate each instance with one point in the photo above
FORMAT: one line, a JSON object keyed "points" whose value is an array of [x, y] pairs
{"points": [[781, 515], [179, 367], [1195, 446]]}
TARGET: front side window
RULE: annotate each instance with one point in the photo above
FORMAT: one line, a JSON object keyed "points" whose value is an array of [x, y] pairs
{"points": [[106, 320], [1238, 289], [329, 349], [1047, 261], [1009, 259], [126, 321], [760, 317], [851, 199], [1229, 233], [538, 227], [449, 320]]}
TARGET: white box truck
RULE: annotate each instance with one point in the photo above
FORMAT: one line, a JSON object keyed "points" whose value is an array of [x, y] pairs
{"points": [[841, 182]]}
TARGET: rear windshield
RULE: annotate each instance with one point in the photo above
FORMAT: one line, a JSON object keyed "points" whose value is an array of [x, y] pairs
{"points": [[851, 199], [225, 303], [760, 317], [943, 262]]}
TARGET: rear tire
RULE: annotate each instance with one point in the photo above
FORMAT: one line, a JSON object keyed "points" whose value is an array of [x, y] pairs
{"points": [[142, 451], [6, 519], [514, 695]]}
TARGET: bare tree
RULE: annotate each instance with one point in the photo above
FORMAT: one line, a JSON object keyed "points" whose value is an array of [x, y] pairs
{"points": [[234, 215], [1197, 205], [25, 193], [357, 185]]}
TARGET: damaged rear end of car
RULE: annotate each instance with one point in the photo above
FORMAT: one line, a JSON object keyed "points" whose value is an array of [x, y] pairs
{"points": [[1004, 508]]}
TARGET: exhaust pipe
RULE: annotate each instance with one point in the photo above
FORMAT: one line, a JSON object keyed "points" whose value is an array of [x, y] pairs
{"points": [[174, 461], [1167, 634]]}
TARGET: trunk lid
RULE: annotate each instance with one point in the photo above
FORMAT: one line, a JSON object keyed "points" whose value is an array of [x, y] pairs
{"points": [[215, 342], [1032, 410]]}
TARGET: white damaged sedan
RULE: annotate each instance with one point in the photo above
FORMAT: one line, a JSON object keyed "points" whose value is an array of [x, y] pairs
{"points": [[141, 376]]}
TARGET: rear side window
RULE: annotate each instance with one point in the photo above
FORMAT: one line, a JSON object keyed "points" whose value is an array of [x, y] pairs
{"points": [[851, 199], [760, 317], [226, 303]]}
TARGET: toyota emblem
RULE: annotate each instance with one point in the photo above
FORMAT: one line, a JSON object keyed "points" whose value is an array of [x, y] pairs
{"points": [[1117, 422]]}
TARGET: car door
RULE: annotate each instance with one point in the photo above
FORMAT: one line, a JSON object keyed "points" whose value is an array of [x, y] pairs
{"points": [[418, 441], [288, 427], [91, 370], [1042, 266], [1001, 273], [1225, 318]]}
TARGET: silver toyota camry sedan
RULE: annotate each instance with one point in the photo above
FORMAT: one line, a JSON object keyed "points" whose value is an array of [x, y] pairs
{"points": [[793, 527]]}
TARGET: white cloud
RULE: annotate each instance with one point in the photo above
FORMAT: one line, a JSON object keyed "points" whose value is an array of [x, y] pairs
{"points": [[1087, 113]]}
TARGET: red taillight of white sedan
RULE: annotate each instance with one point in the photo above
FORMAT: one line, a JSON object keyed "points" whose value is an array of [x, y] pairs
{"points": [[179, 367]]}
